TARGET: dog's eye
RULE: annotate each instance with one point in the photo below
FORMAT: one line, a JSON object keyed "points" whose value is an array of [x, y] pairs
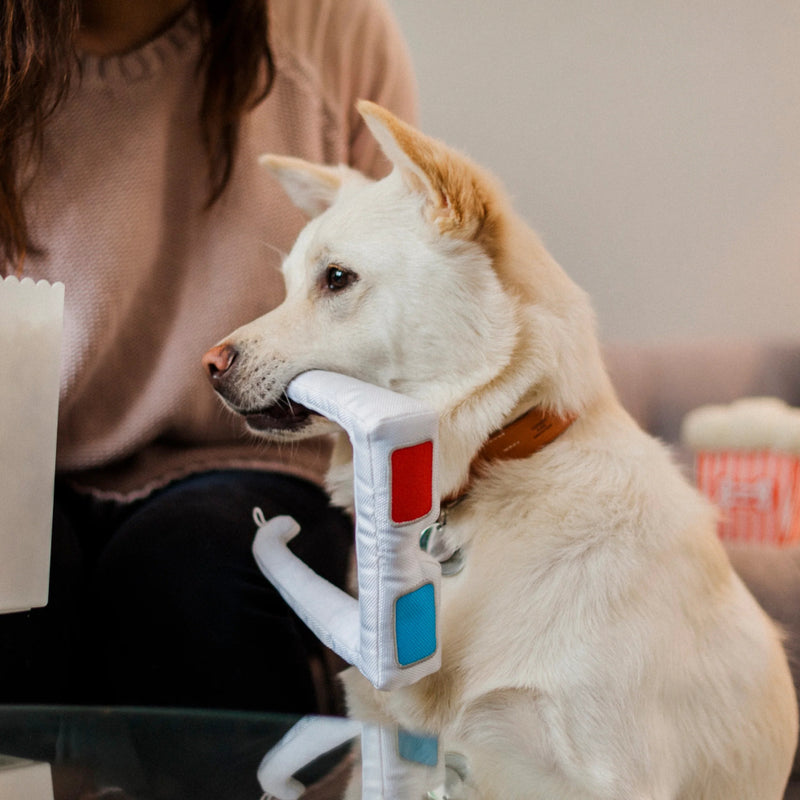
{"points": [[337, 278]]}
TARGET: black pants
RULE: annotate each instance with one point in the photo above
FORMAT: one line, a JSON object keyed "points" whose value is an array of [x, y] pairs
{"points": [[160, 602]]}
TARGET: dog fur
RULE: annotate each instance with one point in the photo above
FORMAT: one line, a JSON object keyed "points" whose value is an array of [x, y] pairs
{"points": [[596, 604]]}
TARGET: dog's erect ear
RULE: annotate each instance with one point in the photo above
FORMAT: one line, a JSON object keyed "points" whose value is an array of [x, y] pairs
{"points": [[459, 196], [311, 187]]}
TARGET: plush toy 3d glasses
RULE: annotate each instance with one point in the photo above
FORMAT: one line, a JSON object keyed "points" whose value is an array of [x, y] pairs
{"points": [[391, 632]]}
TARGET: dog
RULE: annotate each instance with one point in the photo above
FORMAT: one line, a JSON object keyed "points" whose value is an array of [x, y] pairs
{"points": [[593, 599]]}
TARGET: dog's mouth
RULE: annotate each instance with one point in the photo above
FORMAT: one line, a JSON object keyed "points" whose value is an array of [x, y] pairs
{"points": [[284, 415]]}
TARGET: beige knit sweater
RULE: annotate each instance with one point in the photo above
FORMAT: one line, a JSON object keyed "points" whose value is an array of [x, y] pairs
{"points": [[152, 280]]}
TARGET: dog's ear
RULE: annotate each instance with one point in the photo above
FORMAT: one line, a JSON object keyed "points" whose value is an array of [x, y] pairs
{"points": [[311, 187], [459, 196]]}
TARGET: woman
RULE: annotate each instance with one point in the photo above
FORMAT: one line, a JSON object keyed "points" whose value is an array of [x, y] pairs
{"points": [[129, 172]]}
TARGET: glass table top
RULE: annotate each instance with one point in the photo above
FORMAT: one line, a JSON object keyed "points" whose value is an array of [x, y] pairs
{"points": [[151, 754], [135, 754], [115, 754]]}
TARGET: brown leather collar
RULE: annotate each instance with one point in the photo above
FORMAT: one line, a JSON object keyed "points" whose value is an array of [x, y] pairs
{"points": [[526, 435]]}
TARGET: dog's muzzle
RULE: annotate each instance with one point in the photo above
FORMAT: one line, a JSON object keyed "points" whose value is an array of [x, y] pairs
{"points": [[220, 364]]}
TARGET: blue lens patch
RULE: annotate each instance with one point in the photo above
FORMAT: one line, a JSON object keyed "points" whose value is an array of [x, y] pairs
{"points": [[415, 625], [418, 749]]}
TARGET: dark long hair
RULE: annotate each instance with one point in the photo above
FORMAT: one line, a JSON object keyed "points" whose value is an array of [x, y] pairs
{"points": [[37, 63]]}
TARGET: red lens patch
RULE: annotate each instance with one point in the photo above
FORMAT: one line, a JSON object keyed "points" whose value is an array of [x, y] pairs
{"points": [[412, 479]]}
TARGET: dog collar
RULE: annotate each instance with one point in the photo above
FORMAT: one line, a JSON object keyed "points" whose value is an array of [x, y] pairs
{"points": [[521, 438]]}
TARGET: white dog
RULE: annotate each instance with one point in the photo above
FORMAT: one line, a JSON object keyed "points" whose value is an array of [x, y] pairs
{"points": [[594, 598]]}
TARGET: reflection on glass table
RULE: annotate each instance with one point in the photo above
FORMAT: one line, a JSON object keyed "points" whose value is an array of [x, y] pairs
{"points": [[134, 754], [385, 761]]}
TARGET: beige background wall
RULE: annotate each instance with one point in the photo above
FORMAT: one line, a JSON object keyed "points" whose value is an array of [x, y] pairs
{"points": [[655, 145]]}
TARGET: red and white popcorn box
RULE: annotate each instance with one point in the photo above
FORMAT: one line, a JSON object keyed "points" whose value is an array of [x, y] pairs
{"points": [[747, 462]]}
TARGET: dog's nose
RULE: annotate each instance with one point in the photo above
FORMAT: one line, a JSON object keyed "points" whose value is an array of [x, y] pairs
{"points": [[219, 360]]}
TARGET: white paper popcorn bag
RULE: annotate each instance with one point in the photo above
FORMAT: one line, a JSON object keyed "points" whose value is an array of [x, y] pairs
{"points": [[31, 320], [747, 461], [21, 779]]}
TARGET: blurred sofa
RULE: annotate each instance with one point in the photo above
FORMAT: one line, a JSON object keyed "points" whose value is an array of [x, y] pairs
{"points": [[660, 383]]}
